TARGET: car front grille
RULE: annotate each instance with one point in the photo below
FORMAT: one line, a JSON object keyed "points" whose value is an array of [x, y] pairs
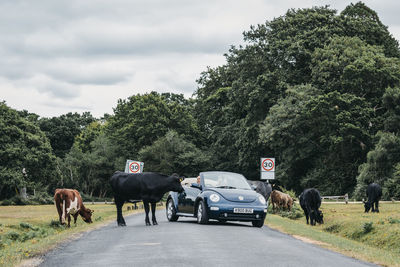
{"points": [[237, 216]]}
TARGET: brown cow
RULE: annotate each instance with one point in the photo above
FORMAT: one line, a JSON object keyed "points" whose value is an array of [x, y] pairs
{"points": [[281, 200], [69, 202]]}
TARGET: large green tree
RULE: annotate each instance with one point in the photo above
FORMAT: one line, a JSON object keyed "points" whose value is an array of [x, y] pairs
{"points": [[350, 56], [320, 138], [142, 119], [173, 154], [383, 161], [90, 163], [23, 146], [62, 130]]}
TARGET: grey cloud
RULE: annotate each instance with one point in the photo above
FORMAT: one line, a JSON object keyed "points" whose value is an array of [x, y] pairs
{"points": [[54, 88]]}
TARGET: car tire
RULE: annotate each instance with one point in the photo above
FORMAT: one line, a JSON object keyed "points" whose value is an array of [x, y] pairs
{"points": [[171, 211], [202, 216], [258, 223]]}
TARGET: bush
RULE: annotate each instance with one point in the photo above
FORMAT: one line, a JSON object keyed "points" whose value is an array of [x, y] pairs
{"points": [[41, 198], [27, 236], [393, 220], [55, 224], [368, 227], [28, 226], [88, 198], [293, 214], [7, 202], [13, 235], [334, 228], [17, 200]]}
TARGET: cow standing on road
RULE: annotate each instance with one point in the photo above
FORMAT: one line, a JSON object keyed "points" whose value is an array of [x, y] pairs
{"points": [[147, 186], [310, 201], [69, 202], [374, 194]]}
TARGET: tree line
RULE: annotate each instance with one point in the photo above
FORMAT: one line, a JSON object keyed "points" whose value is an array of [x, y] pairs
{"points": [[316, 89]]}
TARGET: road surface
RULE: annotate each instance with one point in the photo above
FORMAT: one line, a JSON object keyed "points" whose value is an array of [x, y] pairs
{"points": [[186, 243]]}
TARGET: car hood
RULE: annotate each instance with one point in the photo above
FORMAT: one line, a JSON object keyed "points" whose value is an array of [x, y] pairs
{"points": [[236, 195]]}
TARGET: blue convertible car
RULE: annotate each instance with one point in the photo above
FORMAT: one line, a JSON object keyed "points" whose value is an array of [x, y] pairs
{"points": [[222, 196]]}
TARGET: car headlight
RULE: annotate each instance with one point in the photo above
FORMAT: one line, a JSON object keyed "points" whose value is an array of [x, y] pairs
{"points": [[262, 200], [214, 197]]}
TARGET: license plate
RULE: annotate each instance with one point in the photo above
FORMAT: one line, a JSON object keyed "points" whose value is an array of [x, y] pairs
{"points": [[242, 210]]}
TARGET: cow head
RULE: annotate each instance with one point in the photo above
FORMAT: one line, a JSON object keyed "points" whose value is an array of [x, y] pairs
{"points": [[320, 217], [86, 215], [367, 206], [175, 183]]}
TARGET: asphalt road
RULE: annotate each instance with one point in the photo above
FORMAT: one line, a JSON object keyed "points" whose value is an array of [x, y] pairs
{"points": [[185, 243]]}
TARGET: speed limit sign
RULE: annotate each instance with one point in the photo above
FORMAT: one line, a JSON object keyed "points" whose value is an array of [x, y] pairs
{"points": [[267, 168], [132, 166]]}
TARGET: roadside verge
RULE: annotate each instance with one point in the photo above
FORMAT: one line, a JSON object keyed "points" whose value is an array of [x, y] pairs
{"points": [[316, 236]]}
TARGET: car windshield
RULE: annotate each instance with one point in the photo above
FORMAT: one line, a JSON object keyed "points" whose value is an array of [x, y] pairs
{"points": [[225, 180]]}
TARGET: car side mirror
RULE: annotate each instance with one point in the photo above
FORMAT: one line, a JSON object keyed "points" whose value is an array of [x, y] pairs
{"points": [[196, 185]]}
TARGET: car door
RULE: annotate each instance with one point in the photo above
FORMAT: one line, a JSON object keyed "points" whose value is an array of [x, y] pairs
{"points": [[186, 199]]}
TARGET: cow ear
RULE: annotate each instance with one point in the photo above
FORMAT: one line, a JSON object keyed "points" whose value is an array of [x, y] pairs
{"points": [[181, 179]]}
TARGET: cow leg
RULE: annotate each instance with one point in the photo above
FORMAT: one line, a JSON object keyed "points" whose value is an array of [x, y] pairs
{"points": [[306, 213], [120, 219], [69, 219], [146, 209], [153, 213], [59, 210], [311, 215], [75, 217], [376, 206]]}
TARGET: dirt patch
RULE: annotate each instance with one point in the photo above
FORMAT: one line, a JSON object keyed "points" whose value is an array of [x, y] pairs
{"points": [[32, 262], [311, 241]]}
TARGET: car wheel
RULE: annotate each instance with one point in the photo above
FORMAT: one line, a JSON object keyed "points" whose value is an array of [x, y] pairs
{"points": [[171, 211], [202, 216], [258, 223]]}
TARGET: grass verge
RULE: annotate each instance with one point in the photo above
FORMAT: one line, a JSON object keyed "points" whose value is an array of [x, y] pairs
{"points": [[348, 230], [30, 231]]}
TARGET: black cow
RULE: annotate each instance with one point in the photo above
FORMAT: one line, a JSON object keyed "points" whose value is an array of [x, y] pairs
{"points": [[263, 188], [374, 194], [149, 187], [310, 201]]}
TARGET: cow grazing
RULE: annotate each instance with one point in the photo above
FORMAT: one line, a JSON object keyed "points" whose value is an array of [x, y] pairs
{"points": [[281, 200], [147, 186], [69, 202], [374, 194], [310, 201]]}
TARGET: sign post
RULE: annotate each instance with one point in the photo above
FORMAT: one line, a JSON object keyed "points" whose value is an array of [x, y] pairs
{"points": [[133, 166], [267, 168]]}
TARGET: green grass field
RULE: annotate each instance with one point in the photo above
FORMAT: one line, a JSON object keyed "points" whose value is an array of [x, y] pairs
{"points": [[28, 231], [373, 237]]}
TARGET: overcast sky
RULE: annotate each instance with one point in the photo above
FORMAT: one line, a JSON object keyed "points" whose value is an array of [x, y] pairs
{"points": [[75, 56]]}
